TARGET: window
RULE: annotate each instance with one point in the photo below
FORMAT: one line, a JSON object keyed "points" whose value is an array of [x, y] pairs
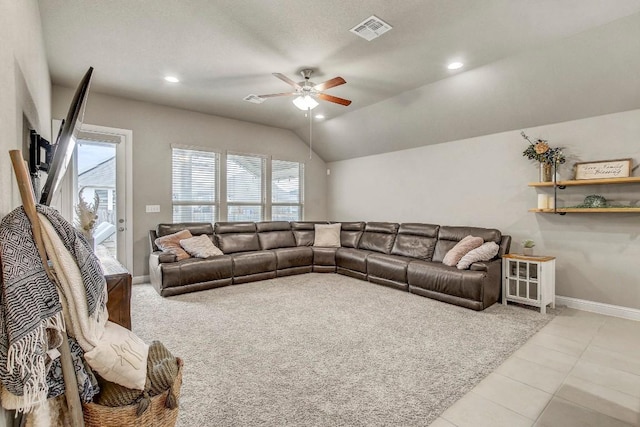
{"points": [[245, 187], [194, 185], [286, 190]]}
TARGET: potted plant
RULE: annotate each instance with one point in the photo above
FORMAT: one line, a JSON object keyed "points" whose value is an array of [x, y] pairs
{"points": [[527, 247]]}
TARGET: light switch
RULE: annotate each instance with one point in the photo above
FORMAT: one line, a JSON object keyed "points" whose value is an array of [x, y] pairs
{"points": [[153, 208]]}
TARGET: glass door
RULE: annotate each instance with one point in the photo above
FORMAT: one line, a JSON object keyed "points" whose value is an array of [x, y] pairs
{"points": [[95, 184]]}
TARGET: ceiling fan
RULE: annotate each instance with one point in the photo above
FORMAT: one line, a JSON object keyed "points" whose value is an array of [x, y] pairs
{"points": [[306, 91]]}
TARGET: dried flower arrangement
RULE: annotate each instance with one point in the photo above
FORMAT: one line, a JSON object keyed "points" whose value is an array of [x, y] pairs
{"points": [[540, 151], [86, 215]]}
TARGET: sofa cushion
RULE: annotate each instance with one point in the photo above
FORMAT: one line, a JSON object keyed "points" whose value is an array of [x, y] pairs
{"points": [[485, 252], [379, 237], [195, 270], [303, 232], [171, 243], [449, 236], [235, 237], [293, 257], [437, 277], [276, 239], [416, 241], [247, 263], [460, 249], [324, 256], [275, 234], [195, 228], [272, 226], [352, 259], [327, 235], [200, 246], [350, 234], [389, 267]]}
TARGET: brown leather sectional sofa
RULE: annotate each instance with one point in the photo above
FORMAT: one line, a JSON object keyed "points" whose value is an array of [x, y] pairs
{"points": [[403, 256]]}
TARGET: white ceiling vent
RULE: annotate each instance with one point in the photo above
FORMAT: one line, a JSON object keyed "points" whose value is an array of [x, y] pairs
{"points": [[371, 28], [254, 99]]}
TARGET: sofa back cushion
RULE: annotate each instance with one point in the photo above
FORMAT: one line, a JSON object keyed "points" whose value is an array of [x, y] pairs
{"points": [[379, 237], [303, 231], [236, 237], [195, 228], [350, 234], [275, 234], [448, 237], [416, 241]]}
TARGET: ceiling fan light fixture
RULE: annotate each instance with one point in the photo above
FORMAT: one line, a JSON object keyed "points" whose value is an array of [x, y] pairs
{"points": [[305, 103]]}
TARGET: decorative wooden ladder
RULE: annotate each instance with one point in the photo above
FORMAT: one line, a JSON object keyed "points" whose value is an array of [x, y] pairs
{"points": [[28, 201]]}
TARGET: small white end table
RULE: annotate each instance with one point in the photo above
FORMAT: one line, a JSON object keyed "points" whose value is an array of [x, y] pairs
{"points": [[530, 280]]}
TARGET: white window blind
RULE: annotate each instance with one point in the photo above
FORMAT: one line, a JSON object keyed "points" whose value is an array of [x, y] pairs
{"points": [[245, 187], [286, 190], [194, 179]]}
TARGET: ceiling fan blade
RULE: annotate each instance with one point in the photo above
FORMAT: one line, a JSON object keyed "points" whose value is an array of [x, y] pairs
{"points": [[272, 95], [335, 99], [287, 80], [336, 81]]}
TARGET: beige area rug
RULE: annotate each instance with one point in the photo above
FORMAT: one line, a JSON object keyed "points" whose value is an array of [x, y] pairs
{"points": [[325, 350]]}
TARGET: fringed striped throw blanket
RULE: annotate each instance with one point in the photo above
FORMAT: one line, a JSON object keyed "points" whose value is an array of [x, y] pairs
{"points": [[31, 317]]}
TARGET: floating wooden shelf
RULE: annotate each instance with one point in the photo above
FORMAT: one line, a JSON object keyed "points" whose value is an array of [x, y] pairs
{"points": [[586, 210], [630, 180]]}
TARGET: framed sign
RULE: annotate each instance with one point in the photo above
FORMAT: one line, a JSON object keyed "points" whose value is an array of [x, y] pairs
{"points": [[620, 168]]}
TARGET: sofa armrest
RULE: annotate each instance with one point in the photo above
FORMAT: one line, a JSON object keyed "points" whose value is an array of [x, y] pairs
{"points": [[492, 281], [163, 257], [479, 266], [484, 265]]}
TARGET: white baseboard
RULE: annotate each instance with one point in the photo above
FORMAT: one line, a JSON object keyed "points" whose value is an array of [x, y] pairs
{"points": [[139, 280], [600, 308]]}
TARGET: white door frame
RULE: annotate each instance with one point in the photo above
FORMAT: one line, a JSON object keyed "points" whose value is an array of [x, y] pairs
{"points": [[123, 180]]}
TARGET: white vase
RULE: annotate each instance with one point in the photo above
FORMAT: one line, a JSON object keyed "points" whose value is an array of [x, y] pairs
{"points": [[527, 251]]}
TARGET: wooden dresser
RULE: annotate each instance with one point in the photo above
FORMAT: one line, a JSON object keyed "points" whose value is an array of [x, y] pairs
{"points": [[119, 290]]}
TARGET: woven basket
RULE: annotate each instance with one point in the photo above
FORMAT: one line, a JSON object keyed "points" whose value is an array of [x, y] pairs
{"points": [[156, 415]]}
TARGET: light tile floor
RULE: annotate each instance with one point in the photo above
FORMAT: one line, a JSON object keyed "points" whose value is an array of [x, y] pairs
{"points": [[581, 370]]}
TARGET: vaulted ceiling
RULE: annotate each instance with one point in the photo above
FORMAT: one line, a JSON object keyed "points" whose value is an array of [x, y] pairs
{"points": [[224, 50]]}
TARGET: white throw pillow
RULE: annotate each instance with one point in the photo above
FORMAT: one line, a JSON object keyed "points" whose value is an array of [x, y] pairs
{"points": [[484, 253], [200, 246], [327, 235], [120, 357]]}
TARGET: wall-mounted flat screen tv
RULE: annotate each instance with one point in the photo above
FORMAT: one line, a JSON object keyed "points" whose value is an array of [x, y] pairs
{"points": [[66, 142]]}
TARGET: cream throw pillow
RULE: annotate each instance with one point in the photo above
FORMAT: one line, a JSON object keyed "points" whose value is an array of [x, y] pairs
{"points": [[171, 243], [461, 249], [327, 235], [120, 357], [484, 253], [200, 246]]}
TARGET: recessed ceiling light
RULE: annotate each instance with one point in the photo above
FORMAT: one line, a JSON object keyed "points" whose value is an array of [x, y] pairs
{"points": [[319, 116], [455, 65], [172, 79]]}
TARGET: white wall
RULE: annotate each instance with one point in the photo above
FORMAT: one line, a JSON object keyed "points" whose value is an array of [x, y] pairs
{"points": [[25, 92], [592, 73], [25, 87], [156, 127], [482, 181]]}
